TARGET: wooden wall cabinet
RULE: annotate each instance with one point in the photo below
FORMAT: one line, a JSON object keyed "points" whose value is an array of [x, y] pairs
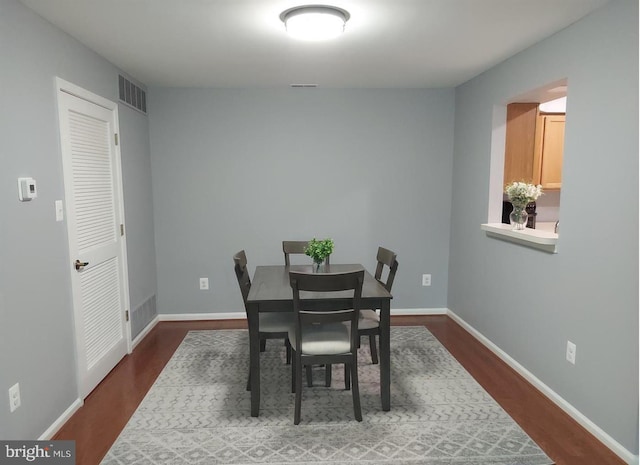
{"points": [[520, 142], [533, 146], [547, 163]]}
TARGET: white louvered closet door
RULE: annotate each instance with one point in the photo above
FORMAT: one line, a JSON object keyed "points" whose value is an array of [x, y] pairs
{"points": [[91, 176]]}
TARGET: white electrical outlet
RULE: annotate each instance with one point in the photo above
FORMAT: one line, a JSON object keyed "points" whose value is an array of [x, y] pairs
{"points": [[204, 284], [14, 397], [571, 352], [426, 280]]}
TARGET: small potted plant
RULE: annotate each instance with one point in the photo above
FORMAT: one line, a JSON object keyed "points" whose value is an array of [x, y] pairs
{"points": [[520, 194], [319, 250]]}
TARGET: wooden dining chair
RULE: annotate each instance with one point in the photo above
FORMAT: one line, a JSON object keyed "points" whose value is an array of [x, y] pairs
{"points": [[298, 248], [295, 248], [369, 323], [321, 335], [272, 325]]}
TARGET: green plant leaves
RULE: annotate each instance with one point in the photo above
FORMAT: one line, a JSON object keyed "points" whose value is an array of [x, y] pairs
{"points": [[318, 250]]}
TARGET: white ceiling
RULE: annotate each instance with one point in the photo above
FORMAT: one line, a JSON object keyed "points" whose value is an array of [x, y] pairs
{"points": [[242, 43]]}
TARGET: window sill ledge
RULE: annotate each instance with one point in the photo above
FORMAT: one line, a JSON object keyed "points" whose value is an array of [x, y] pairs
{"points": [[534, 238]]}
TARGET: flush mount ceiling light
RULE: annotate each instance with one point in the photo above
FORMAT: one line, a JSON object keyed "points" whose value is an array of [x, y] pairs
{"points": [[315, 22]]}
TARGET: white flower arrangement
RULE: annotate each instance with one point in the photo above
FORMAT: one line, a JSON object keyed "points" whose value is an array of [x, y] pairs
{"points": [[521, 193]]}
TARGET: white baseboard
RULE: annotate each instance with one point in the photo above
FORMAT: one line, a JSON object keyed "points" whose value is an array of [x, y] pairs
{"points": [[59, 423], [419, 311], [574, 413], [202, 316], [243, 315], [144, 332]]}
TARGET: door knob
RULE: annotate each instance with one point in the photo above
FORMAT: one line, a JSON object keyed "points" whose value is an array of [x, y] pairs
{"points": [[80, 265]]}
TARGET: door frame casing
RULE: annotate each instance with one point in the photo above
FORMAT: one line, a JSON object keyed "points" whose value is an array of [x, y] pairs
{"points": [[62, 86]]}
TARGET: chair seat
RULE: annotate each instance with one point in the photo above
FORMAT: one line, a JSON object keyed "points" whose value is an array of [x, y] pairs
{"points": [[276, 322], [324, 339], [369, 319]]}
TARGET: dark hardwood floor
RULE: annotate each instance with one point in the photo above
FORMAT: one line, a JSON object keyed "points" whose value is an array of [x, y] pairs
{"points": [[97, 424]]}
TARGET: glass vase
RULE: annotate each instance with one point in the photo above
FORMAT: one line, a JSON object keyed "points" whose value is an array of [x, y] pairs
{"points": [[518, 217], [318, 266]]}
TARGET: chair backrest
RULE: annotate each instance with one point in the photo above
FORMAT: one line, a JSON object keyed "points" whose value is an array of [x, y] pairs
{"points": [[388, 258], [242, 273], [347, 309], [295, 248]]}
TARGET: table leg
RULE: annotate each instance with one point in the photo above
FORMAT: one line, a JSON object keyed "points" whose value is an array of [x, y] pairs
{"points": [[385, 355], [254, 357]]}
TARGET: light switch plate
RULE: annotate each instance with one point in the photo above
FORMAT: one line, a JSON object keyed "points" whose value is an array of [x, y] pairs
{"points": [[59, 210]]}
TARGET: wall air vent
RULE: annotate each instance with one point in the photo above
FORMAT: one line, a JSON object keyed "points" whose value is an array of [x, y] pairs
{"points": [[297, 86], [132, 95]]}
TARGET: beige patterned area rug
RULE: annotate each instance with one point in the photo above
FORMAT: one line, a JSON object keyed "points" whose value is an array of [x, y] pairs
{"points": [[197, 412]]}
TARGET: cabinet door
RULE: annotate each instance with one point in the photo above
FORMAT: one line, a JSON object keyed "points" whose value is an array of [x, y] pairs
{"points": [[520, 142], [552, 148]]}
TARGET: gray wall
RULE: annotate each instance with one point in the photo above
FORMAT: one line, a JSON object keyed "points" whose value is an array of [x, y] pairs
{"points": [[246, 169], [36, 318], [136, 173], [530, 303], [242, 169]]}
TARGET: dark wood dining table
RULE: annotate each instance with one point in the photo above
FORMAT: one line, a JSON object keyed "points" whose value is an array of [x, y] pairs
{"points": [[271, 292]]}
